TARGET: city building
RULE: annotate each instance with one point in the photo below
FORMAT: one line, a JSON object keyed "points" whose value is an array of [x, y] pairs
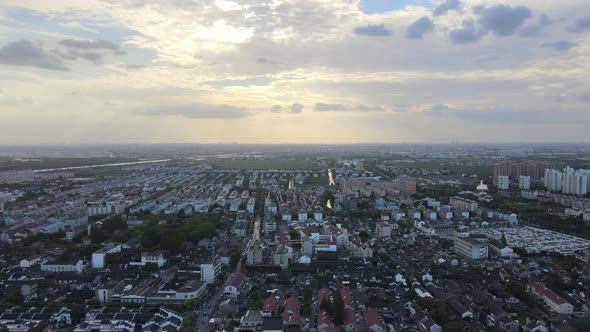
{"points": [[383, 229], [503, 182], [555, 302], [104, 209], [470, 247], [461, 203], [524, 182], [514, 169], [574, 182], [211, 270], [98, 257], [155, 257], [553, 180], [57, 267], [405, 184]]}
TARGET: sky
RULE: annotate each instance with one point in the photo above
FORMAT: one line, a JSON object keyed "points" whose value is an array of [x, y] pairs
{"points": [[298, 71]]}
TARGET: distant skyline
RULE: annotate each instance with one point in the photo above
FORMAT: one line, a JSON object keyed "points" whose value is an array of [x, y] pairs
{"points": [[297, 72]]}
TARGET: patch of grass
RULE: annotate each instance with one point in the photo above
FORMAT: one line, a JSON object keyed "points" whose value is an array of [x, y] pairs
{"points": [[316, 182]]}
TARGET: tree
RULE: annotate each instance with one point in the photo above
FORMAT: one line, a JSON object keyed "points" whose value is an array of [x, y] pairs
{"points": [[338, 308], [325, 305], [113, 258], [255, 300], [453, 327], [364, 236], [151, 267]]}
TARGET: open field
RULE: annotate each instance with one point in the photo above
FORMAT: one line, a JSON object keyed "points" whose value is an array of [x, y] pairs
{"points": [[264, 164]]}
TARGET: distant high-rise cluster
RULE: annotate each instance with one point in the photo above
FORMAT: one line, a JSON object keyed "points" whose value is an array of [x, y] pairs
{"points": [[514, 169], [568, 181]]}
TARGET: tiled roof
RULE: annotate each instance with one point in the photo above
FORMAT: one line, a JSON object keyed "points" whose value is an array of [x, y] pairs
{"points": [[372, 317]]}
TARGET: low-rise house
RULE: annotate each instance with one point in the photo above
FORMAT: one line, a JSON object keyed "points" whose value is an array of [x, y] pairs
{"points": [[555, 302], [374, 321], [428, 325], [237, 284], [59, 266]]}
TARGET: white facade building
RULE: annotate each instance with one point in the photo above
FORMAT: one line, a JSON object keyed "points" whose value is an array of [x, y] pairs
{"points": [[524, 182], [553, 179], [503, 182], [56, 267]]}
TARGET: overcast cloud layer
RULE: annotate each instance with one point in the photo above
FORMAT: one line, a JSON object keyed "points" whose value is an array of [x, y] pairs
{"points": [[301, 71]]}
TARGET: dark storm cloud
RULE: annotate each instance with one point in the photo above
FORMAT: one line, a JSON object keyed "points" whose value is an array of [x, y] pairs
{"points": [[534, 29], [503, 20], [582, 24], [29, 54], [195, 111], [376, 30], [420, 27], [560, 46], [445, 6]]}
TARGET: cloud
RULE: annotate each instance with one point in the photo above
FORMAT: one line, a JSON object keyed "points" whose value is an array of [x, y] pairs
{"points": [[560, 46], [420, 27], [195, 111], [534, 29], [91, 50], [28, 54], [321, 107], [92, 45], [17, 101], [133, 66], [503, 20], [251, 81], [469, 33], [296, 108], [582, 24], [373, 30], [445, 6], [438, 108], [293, 109]]}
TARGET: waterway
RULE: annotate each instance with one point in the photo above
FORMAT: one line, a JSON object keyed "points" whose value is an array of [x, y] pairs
{"points": [[140, 162]]}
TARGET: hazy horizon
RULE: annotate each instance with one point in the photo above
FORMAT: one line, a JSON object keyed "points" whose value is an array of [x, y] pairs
{"points": [[294, 72]]}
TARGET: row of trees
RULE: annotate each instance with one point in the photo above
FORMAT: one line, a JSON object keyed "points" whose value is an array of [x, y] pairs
{"points": [[171, 236], [334, 309]]}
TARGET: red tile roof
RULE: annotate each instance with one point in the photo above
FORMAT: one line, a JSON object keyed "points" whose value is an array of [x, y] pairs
{"points": [[349, 316], [291, 312], [346, 297], [236, 279], [324, 317], [372, 317], [270, 304], [546, 292]]}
